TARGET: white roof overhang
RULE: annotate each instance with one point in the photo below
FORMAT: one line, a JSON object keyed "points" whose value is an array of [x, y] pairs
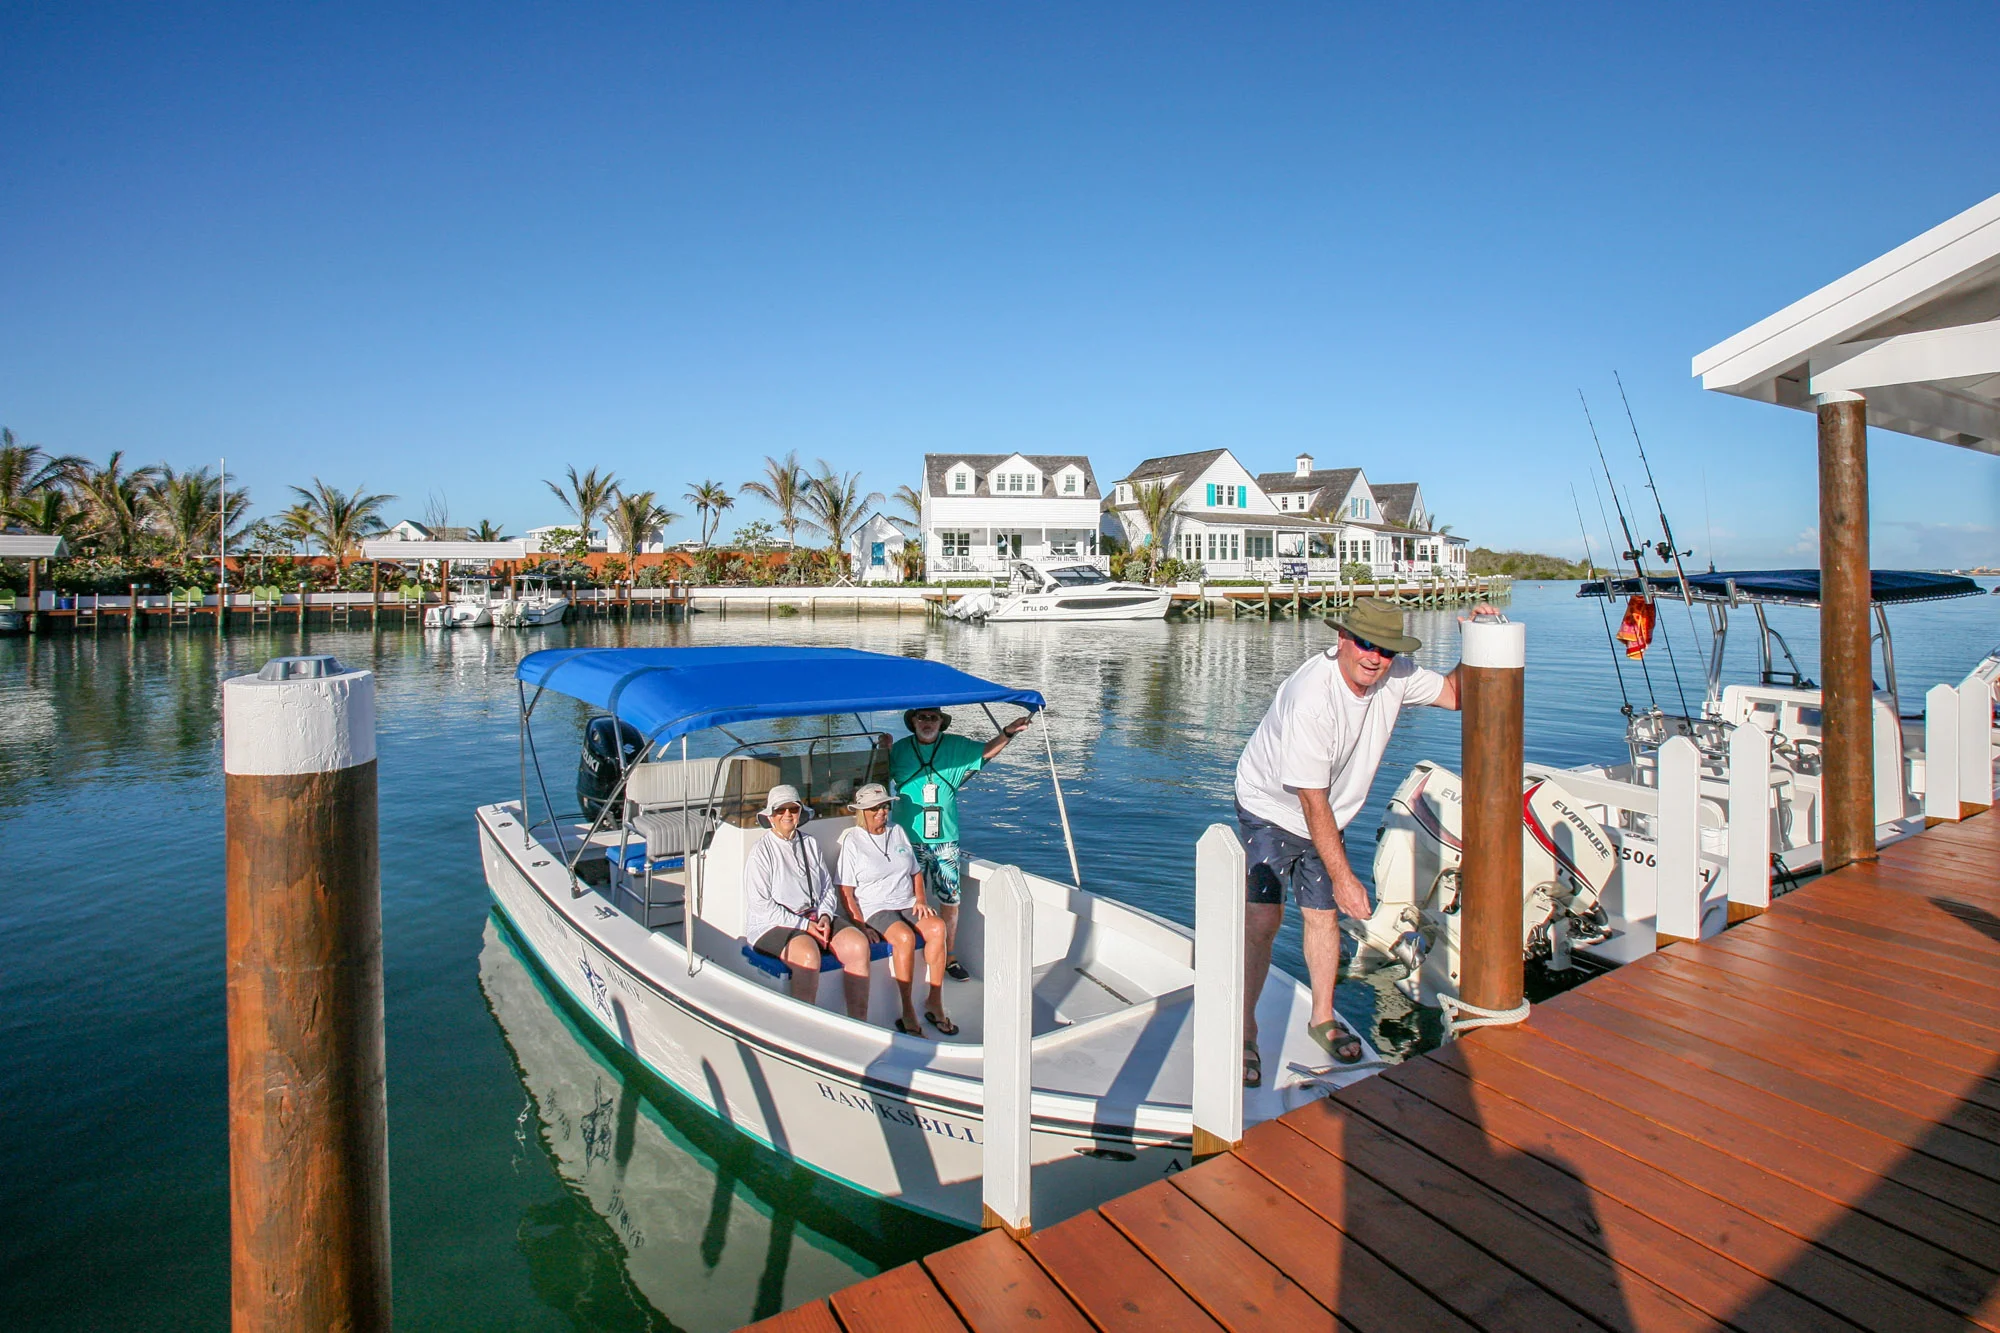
{"points": [[395, 550], [1915, 332], [31, 546]]}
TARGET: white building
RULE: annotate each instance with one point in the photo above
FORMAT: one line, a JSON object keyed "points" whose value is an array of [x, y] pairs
{"points": [[537, 537], [409, 530], [875, 551], [1235, 525], [983, 511]]}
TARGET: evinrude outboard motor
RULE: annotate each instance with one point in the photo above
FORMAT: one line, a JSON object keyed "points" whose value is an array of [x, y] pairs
{"points": [[597, 772]]}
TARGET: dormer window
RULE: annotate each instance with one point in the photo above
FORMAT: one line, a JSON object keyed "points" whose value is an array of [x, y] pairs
{"points": [[961, 482], [1072, 484]]}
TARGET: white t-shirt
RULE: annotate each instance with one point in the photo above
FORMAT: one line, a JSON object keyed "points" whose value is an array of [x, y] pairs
{"points": [[1319, 733], [785, 884], [882, 868]]}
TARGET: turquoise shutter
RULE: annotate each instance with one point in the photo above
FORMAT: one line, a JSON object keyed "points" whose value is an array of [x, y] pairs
{"points": [[1211, 495], [1242, 497]]}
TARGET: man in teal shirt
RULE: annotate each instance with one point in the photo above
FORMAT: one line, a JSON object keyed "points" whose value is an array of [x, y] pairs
{"points": [[926, 769]]}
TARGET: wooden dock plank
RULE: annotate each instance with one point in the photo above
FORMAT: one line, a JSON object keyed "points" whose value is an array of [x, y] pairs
{"points": [[994, 1284], [812, 1317], [1940, 910], [1786, 970], [1798, 930], [1111, 1280], [1330, 1266], [901, 1300], [1240, 1289]]}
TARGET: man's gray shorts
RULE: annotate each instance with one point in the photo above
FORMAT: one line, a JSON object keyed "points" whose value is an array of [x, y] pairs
{"points": [[1278, 858]]}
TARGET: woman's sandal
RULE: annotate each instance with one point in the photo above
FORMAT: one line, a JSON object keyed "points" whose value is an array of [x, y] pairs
{"points": [[942, 1023], [1253, 1066], [1337, 1041], [956, 970], [917, 1031]]}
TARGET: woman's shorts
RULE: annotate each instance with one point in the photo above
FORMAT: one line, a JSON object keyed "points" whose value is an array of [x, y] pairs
{"points": [[775, 940], [879, 922], [939, 863]]}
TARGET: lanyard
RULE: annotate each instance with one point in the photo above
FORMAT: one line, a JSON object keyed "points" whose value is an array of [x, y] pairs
{"points": [[805, 913], [930, 765]]}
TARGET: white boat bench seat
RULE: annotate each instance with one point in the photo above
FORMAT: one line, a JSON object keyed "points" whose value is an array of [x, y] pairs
{"points": [[733, 787]]}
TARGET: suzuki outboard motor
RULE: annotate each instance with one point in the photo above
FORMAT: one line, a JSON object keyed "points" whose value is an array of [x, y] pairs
{"points": [[598, 771]]}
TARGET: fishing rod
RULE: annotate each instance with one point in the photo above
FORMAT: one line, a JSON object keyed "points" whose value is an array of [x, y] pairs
{"points": [[1617, 658], [1667, 547], [1636, 553], [1631, 553], [1667, 639]]}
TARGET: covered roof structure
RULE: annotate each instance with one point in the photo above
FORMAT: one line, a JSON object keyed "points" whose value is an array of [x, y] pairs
{"points": [[1915, 332], [454, 551], [31, 546]]}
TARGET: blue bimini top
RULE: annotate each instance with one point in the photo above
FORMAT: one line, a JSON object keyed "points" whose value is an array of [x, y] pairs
{"points": [[1792, 587], [672, 692]]}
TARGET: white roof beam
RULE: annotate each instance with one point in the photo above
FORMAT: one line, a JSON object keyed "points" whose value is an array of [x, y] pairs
{"points": [[1971, 351]]}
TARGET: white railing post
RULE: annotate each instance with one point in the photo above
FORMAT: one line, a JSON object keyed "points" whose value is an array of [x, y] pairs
{"points": [[1941, 738], [1009, 910], [1887, 765], [1975, 744], [1219, 995], [1749, 821], [1683, 907]]}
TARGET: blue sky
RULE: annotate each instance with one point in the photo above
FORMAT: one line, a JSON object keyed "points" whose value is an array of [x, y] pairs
{"points": [[453, 251]]}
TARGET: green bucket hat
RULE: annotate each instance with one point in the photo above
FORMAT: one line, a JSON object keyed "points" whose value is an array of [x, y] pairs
{"points": [[1380, 625]]}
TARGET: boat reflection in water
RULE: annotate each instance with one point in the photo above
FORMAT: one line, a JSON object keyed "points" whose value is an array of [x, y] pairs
{"points": [[707, 1229]]}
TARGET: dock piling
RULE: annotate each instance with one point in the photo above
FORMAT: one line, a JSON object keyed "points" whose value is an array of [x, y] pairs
{"points": [[1941, 804], [1009, 911], [1493, 660], [308, 1120], [1847, 682], [1686, 906], [1749, 823], [1220, 988]]}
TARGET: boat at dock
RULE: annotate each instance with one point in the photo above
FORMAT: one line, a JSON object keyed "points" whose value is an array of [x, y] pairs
{"points": [[530, 601], [1063, 590], [1592, 846], [634, 904], [471, 606]]}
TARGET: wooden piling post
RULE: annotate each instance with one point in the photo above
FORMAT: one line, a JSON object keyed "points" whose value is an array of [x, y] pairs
{"points": [[1220, 987], [1847, 784], [308, 1120], [1009, 911], [374, 594], [34, 599], [132, 608], [1493, 660]]}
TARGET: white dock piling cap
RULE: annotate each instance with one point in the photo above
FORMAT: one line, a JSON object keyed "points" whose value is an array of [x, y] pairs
{"points": [[1493, 643], [298, 715]]}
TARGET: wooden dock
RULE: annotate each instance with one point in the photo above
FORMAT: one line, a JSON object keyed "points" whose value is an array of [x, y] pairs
{"points": [[1793, 1125]]}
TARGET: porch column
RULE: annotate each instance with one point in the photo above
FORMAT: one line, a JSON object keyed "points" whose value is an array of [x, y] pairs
{"points": [[1846, 681]]}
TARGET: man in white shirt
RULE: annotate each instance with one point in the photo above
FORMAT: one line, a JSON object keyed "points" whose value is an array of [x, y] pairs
{"points": [[1303, 777]]}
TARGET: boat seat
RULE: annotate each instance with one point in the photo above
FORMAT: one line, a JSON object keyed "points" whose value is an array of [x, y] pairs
{"points": [[776, 967], [729, 786]]}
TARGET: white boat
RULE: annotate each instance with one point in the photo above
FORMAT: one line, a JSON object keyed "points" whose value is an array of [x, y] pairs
{"points": [[636, 908], [1064, 590], [1590, 850], [530, 601], [471, 606]]}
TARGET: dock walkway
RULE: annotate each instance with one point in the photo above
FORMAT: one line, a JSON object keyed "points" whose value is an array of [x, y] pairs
{"points": [[1794, 1125]]}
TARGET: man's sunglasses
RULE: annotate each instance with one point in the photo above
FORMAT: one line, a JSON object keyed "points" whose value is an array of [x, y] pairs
{"points": [[1386, 654]]}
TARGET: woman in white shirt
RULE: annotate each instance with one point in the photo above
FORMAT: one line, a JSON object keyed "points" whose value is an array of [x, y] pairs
{"points": [[881, 886], [791, 911]]}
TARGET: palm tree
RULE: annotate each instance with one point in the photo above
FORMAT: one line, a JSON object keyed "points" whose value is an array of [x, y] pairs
{"points": [[783, 487], [489, 531], [634, 520], [835, 506], [709, 499], [26, 469], [50, 511], [909, 502], [334, 519], [1158, 505], [188, 509], [120, 503], [588, 496]]}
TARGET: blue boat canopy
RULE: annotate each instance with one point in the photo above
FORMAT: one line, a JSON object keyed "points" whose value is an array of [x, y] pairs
{"points": [[1792, 587], [668, 693]]}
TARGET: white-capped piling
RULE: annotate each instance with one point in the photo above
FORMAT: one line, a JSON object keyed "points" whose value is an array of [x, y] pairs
{"points": [[1492, 665], [308, 1119], [1219, 991], [1009, 911]]}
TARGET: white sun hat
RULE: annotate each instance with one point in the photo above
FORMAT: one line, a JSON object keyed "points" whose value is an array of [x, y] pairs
{"points": [[785, 794]]}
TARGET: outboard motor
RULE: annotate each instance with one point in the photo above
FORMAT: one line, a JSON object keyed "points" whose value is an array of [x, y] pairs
{"points": [[597, 772]]}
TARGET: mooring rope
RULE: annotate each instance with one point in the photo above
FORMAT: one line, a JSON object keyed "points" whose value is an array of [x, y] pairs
{"points": [[1481, 1017]]}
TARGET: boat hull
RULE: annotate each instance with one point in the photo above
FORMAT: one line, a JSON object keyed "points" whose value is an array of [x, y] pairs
{"points": [[1120, 602]]}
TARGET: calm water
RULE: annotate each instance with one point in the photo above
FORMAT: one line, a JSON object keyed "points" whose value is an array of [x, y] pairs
{"points": [[541, 1181]]}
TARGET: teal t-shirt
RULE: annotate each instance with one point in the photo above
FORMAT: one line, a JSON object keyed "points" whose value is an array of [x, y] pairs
{"points": [[948, 763]]}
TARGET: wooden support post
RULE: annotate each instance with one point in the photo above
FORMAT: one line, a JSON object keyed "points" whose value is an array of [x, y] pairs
{"points": [[1975, 744], [1749, 822], [1219, 990], [1493, 658], [1687, 907], [374, 594], [1009, 911], [302, 606], [1847, 683], [34, 599], [308, 1119], [1941, 733], [132, 608]]}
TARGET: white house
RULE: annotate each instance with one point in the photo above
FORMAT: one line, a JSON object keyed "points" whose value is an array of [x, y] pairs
{"points": [[409, 530], [1235, 525], [982, 511], [875, 551], [537, 538]]}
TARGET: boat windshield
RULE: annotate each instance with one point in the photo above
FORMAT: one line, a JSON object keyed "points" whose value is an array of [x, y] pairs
{"points": [[1079, 576]]}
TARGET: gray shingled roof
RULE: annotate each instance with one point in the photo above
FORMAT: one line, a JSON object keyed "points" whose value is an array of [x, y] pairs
{"points": [[1188, 466], [936, 465], [1394, 498], [1338, 478]]}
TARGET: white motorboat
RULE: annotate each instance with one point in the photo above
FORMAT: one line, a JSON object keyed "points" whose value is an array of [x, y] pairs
{"points": [[530, 601], [1064, 590], [635, 907], [471, 606], [1590, 847]]}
